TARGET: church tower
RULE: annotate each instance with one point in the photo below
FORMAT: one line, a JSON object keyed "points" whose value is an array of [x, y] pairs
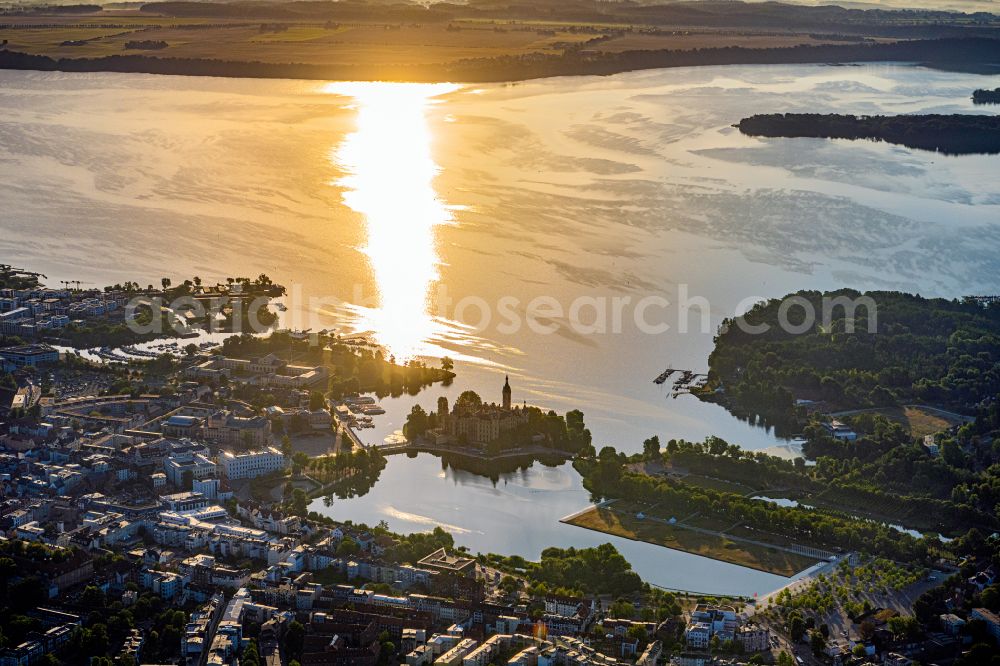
{"points": [[506, 392]]}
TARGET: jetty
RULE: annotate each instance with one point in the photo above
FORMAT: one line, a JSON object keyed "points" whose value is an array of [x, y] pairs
{"points": [[684, 379], [687, 380], [663, 376]]}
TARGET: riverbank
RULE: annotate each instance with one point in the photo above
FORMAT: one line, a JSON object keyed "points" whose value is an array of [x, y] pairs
{"points": [[948, 53]]}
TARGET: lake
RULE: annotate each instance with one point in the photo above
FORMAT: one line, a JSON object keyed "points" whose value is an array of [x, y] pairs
{"points": [[520, 515], [433, 217]]}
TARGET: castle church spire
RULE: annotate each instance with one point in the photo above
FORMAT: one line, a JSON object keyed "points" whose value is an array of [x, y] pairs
{"points": [[506, 392]]}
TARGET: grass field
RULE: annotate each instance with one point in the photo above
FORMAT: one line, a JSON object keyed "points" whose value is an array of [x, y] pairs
{"points": [[313, 43], [718, 484], [296, 34], [920, 421], [625, 524]]}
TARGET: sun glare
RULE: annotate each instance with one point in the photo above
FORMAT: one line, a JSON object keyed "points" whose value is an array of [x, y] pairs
{"points": [[390, 181]]}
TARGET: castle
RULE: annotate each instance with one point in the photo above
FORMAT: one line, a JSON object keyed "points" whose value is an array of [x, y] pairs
{"points": [[485, 424]]}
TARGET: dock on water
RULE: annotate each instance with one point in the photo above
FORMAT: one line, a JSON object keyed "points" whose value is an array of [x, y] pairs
{"points": [[663, 376], [688, 380]]}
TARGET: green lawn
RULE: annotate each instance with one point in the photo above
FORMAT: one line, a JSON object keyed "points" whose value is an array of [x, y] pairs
{"points": [[625, 524]]}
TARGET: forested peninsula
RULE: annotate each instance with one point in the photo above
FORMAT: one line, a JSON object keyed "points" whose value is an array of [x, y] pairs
{"points": [[983, 96], [904, 348], [956, 134]]}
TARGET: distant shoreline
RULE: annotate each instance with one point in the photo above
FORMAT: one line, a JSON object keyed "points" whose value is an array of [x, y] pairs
{"points": [[973, 54]]}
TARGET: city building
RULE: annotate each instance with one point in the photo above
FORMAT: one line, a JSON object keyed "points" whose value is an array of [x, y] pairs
{"points": [[185, 501], [26, 356], [952, 623], [753, 638], [181, 425], [991, 619], [251, 464], [840, 430], [11, 321], [707, 622], [267, 370], [226, 428], [181, 469], [440, 560]]}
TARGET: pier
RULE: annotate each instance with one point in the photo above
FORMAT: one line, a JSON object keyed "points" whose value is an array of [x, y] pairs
{"points": [[663, 376], [688, 380]]}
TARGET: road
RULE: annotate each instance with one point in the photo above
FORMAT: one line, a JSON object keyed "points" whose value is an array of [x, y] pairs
{"points": [[962, 418]]}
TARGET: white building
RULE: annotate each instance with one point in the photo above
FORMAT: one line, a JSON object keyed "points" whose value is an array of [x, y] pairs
{"points": [[839, 430], [251, 464], [457, 654], [210, 488], [698, 635], [708, 621]]}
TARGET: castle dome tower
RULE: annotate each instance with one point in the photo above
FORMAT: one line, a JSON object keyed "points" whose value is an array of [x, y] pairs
{"points": [[506, 392]]}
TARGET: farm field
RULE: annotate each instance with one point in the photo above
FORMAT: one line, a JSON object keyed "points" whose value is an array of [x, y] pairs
{"points": [[920, 421], [312, 43], [684, 40], [372, 43]]}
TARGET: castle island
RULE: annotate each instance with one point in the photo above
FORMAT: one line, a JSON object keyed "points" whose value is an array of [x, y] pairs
{"points": [[473, 426]]}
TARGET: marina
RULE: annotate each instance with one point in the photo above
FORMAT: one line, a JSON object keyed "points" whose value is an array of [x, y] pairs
{"points": [[687, 382]]}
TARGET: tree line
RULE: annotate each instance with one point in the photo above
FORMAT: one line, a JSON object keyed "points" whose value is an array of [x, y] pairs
{"points": [[954, 134], [982, 96], [950, 52], [609, 476]]}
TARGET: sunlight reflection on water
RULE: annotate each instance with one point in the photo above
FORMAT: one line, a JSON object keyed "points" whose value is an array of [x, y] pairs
{"points": [[390, 181]]}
